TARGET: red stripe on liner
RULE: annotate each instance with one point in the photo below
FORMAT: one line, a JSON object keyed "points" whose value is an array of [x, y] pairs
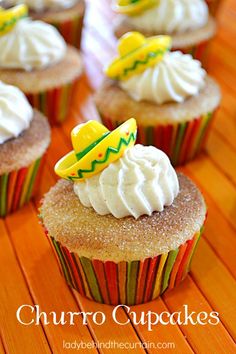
{"points": [[152, 269], [142, 276], [18, 187], [112, 283], [98, 267], [184, 261]]}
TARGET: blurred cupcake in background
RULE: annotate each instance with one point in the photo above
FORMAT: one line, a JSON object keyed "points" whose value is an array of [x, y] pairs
{"points": [[171, 96], [123, 224], [24, 138], [188, 22], [34, 57], [66, 15]]}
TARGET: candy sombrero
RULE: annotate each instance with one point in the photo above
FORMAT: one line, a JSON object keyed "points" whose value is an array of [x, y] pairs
{"points": [[133, 7], [95, 147], [136, 53], [8, 18]]}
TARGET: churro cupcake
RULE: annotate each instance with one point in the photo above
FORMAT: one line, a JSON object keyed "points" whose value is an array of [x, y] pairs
{"points": [[24, 138], [34, 57], [123, 224], [66, 15], [169, 94], [188, 22]]}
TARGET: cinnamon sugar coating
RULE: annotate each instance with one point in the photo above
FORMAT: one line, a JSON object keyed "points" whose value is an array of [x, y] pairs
{"points": [[179, 40], [28, 147], [89, 234], [116, 104], [36, 81]]}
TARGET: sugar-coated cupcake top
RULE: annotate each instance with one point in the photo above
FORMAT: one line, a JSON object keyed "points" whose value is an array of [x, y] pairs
{"points": [[30, 45], [167, 16], [15, 112], [122, 179], [41, 5], [172, 78]]}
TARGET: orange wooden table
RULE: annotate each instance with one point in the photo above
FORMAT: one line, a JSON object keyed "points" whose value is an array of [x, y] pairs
{"points": [[29, 273]]}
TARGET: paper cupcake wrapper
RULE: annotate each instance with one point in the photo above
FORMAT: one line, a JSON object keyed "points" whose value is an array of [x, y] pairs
{"points": [[17, 187], [53, 103], [180, 141], [70, 30], [198, 51], [125, 282]]}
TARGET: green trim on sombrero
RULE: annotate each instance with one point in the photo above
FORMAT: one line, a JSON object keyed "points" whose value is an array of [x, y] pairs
{"points": [[110, 150], [12, 22], [150, 56], [81, 154]]}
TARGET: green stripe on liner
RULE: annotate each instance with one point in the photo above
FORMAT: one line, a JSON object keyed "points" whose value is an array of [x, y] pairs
{"points": [[203, 131], [194, 248], [62, 261], [168, 268], [32, 180], [63, 103], [133, 268], [81, 154], [3, 195], [179, 139], [91, 278], [149, 136]]}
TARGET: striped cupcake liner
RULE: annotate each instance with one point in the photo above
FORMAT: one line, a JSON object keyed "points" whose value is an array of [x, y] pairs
{"points": [[71, 30], [128, 283], [17, 187], [180, 141], [53, 103]]}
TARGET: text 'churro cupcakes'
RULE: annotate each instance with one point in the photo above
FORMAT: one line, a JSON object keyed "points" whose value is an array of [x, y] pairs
{"points": [[24, 138], [169, 94], [66, 15], [123, 224], [34, 57], [188, 22]]}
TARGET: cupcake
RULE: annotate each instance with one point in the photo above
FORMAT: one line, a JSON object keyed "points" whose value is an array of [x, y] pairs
{"points": [[66, 15], [24, 138], [188, 22], [171, 96], [34, 57], [123, 224]]}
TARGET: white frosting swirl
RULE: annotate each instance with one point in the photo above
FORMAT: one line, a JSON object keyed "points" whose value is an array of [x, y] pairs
{"points": [[15, 112], [41, 5], [175, 78], [31, 45], [140, 182], [172, 16]]}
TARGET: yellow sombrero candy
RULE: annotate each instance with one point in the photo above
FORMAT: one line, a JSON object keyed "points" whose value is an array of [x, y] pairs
{"points": [[95, 147], [136, 53], [133, 7], [9, 17]]}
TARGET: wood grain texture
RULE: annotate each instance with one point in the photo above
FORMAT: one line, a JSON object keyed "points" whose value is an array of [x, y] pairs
{"points": [[14, 293], [29, 272]]}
